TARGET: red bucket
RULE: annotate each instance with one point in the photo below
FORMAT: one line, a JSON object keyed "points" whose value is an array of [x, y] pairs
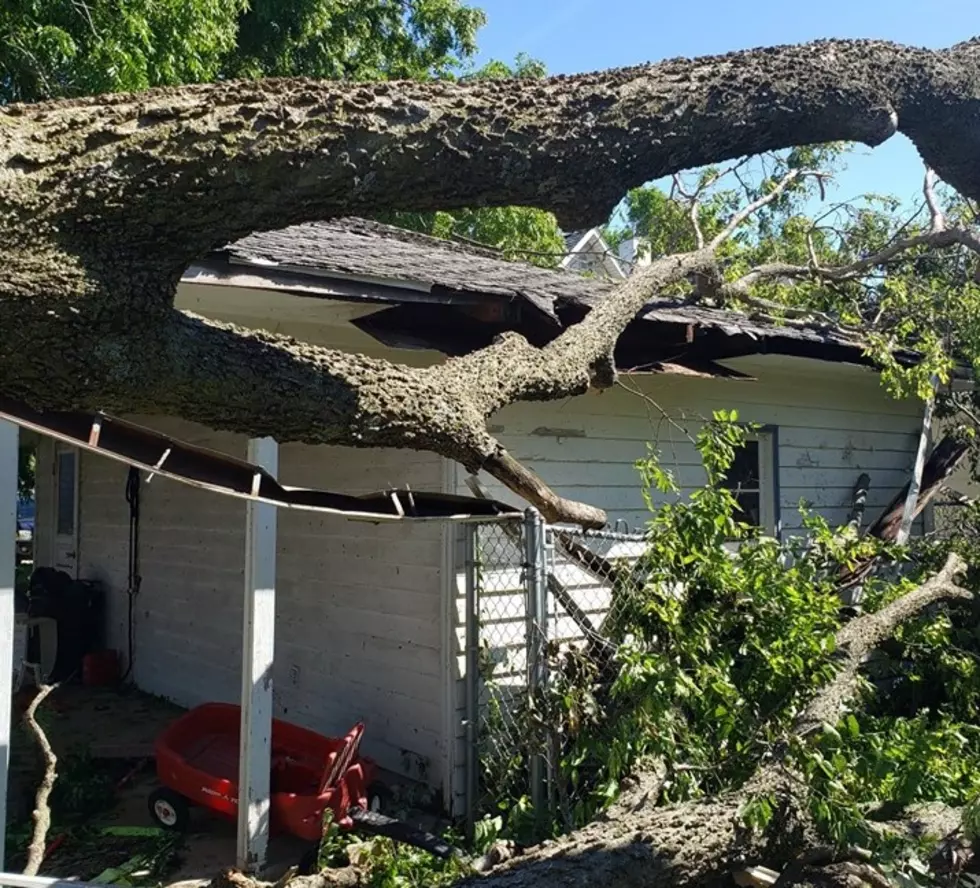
{"points": [[100, 668]]}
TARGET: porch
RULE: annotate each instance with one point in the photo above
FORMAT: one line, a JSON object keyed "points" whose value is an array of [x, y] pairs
{"points": [[259, 496]]}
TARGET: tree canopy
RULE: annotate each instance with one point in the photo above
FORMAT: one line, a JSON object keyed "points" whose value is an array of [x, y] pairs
{"points": [[51, 48]]}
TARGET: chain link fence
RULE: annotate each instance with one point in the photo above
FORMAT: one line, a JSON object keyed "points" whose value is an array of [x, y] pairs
{"points": [[546, 610]]}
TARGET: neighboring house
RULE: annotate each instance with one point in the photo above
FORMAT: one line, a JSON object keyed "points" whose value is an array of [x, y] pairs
{"points": [[588, 253], [368, 615]]}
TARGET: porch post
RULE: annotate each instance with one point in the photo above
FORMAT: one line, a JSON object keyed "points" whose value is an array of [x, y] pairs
{"points": [[258, 644], [8, 571]]}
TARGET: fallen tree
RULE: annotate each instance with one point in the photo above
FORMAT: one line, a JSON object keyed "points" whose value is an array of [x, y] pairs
{"points": [[104, 202], [703, 843], [707, 842]]}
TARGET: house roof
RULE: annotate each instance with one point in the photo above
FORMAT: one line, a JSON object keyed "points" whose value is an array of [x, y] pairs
{"points": [[456, 297], [357, 248]]}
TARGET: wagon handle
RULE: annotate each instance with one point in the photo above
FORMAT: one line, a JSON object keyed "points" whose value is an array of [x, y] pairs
{"points": [[345, 755]]}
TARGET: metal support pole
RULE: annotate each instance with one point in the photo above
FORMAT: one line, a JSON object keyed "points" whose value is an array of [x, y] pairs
{"points": [[536, 584], [472, 616], [9, 441], [258, 647]]}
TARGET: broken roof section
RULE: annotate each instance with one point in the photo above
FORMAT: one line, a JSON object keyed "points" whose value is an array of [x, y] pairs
{"points": [[455, 298], [160, 454]]}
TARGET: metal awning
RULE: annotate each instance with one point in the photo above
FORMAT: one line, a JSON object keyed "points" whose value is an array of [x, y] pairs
{"points": [[159, 454]]}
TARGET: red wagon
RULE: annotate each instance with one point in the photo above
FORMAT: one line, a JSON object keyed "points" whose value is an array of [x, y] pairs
{"points": [[197, 764]]}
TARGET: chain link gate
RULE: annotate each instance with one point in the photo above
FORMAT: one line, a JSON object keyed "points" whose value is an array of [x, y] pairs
{"points": [[543, 607]]}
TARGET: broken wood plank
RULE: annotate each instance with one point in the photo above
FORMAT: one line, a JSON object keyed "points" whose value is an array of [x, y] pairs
{"points": [[912, 494], [942, 462]]}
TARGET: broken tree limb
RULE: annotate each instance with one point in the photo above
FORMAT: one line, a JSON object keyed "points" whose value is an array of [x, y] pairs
{"points": [[861, 636], [859, 498], [42, 811], [942, 462]]}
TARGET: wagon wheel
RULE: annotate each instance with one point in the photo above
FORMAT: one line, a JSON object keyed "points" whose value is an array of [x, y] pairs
{"points": [[378, 798], [169, 809]]}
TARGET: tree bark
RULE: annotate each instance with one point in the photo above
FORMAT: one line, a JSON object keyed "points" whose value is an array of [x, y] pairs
{"points": [[105, 201]]}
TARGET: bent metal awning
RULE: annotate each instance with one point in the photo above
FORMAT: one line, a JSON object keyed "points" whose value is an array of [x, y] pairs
{"points": [[160, 454]]}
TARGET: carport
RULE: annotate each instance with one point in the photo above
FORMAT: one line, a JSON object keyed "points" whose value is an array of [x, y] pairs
{"points": [[254, 480]]}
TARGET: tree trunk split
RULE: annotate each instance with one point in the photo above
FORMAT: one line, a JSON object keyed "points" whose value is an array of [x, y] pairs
{"points": [[104, 202]]}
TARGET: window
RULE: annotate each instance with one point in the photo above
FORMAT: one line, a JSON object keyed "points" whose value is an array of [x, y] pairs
{"points": [[66, 493], [752, 479]]}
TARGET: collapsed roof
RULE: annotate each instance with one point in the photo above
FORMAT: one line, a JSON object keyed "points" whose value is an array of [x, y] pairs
{"points": [[455, 298]]}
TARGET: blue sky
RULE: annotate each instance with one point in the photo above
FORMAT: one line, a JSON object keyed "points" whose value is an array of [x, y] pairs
{"points": [[586, 35]]}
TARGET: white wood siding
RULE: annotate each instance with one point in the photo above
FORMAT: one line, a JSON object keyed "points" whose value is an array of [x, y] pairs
{"points": [[832, 423], [358, 605], [188, 614], [359, 628]]}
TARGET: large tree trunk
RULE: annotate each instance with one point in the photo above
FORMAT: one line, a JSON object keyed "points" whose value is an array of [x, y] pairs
{"points": [[104, 202]]}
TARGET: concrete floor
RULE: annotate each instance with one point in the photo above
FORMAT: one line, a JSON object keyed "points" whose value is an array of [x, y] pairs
{"points": [[210, 842], [123, 725], [107, 723]]}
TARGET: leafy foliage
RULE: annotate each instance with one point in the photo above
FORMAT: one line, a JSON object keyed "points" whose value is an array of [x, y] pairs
{"points": [[335, 39], [716, 648], [722, 635], [52, 48]]}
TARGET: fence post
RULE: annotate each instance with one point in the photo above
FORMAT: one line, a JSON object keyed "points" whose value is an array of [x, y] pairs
{"points": [[472, 617], [536, 584]]}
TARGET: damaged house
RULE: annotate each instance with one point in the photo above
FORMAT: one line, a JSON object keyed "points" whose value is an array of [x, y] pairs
{"points": [[367, 618]]}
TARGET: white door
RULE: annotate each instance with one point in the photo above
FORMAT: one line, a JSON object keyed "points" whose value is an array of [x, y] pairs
{"points": [[66, 510]]}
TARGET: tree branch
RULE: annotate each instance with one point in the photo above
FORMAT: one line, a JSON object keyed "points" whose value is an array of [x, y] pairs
{"points": [[42, 811], [861, 636], [756, 205], [942, 238], [259, 383], [208, 164]]}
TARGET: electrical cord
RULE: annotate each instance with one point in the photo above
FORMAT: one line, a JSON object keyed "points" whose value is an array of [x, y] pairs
{"points": [[133, 484]]}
